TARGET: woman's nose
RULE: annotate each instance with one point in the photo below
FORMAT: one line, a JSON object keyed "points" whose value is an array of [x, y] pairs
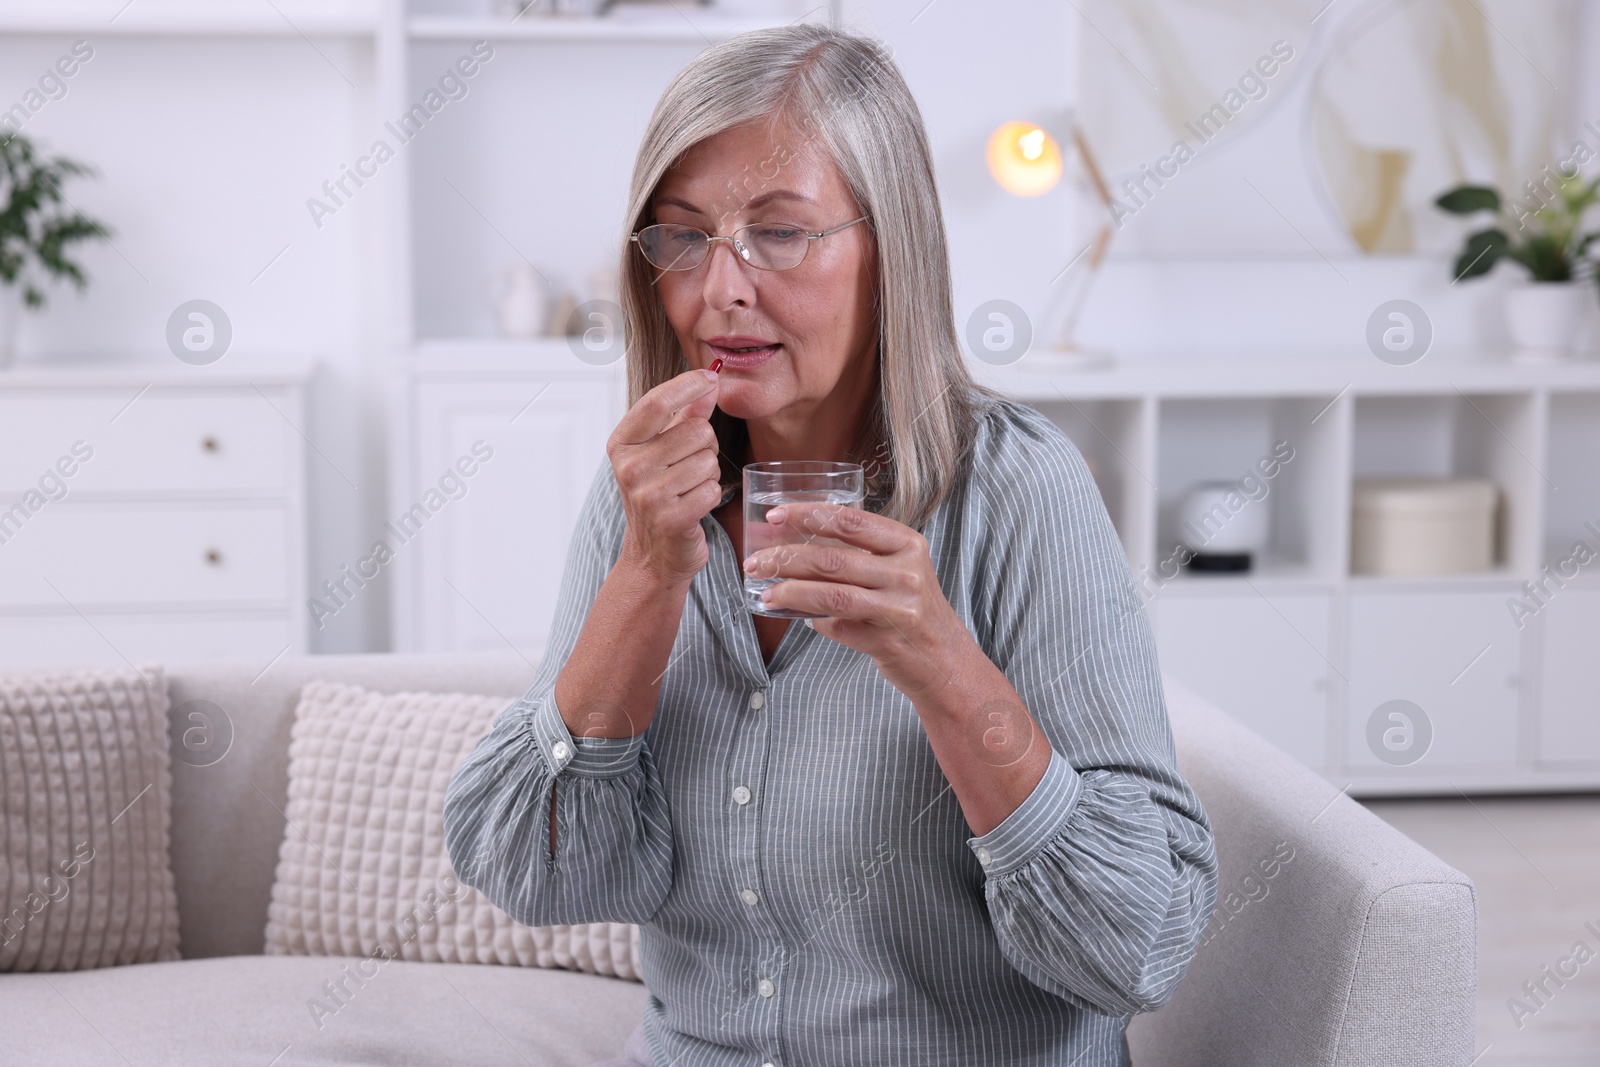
{"points": [[727, 278]]}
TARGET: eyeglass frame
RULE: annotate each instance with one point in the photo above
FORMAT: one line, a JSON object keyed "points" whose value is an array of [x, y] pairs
{"points": [[712, 239]]}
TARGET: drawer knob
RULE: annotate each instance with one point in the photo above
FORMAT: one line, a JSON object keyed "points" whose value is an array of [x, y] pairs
{"points": [[209, 443], [213, 556]]}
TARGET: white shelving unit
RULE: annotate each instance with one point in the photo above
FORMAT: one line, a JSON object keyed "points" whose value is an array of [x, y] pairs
{"points": [[1306, 651], [1301, 649]]}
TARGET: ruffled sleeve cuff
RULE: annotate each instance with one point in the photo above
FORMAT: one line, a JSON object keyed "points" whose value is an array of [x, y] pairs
{"points": [[586, 757], [1037, 819]]}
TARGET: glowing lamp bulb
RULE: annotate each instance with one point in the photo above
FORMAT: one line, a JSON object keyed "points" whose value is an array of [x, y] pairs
{"points": [[1024, 159]]}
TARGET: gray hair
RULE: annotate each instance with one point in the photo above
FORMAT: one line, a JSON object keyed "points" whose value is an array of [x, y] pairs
{"points": [[843, 91]]}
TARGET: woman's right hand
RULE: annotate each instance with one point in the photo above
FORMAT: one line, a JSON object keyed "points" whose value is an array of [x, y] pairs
{"points": [[664, 455]]}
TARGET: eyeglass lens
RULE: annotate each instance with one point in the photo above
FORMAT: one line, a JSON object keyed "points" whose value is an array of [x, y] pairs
{"points": [[768, 246]]}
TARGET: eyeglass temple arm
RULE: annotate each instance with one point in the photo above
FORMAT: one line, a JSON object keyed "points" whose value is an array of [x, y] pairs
{"points": [[836, 229]]}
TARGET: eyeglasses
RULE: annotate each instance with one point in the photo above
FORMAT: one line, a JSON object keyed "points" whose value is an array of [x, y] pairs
{"points": [[767, 245]]}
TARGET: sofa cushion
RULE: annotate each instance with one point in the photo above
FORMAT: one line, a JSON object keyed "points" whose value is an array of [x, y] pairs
{"points": [[363, 869], [85, 816], [261, 1010]]}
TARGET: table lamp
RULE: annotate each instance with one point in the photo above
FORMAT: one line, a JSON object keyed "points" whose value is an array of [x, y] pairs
{"points": [[1025, 160]]}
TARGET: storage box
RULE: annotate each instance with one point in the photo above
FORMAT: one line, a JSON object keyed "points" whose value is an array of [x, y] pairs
{"points": [[1411, 526]]}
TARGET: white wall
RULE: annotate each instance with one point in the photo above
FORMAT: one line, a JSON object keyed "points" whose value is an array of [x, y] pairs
{"points": [[207, 150], [971, 71]]}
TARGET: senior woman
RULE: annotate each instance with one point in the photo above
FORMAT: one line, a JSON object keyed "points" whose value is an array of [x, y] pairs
{"points": [[941, 823]]}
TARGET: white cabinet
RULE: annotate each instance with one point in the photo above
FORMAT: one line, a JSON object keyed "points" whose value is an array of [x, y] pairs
{"points": [[1454, 655], [1570, 727], [1263, 658], [485, 570], [152, 512]]}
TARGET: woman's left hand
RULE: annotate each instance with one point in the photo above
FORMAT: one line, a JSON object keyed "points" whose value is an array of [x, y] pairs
{"points": [[877, 589]]}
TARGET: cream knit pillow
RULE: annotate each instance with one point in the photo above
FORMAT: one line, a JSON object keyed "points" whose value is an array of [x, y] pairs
{"points": [[363, 869], [85, 814]]}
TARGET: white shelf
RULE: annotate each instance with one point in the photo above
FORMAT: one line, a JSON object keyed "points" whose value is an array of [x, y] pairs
{"points": [[1270, 575], [143, 20], [136, 371], [702, 28], [1283, 374], [1499, 576], [1262, 375]]}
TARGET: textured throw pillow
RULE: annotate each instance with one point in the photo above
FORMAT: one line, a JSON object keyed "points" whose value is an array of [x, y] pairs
{"points": [[85, 814], [363, 869]]}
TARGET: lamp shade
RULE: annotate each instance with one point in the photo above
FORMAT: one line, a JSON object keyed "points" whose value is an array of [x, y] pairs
{"points": [[1024, 159]]}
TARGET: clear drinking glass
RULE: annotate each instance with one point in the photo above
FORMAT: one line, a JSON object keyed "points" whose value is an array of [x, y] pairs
{"points": [[805, 481]]}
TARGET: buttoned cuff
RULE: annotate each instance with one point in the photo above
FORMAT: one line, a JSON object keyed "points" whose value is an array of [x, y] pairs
{"points": [[587, 757], [1036, 820]]}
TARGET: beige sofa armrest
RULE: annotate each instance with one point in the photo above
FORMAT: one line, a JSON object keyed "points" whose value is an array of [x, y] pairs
{"points": [[1336, 939]]}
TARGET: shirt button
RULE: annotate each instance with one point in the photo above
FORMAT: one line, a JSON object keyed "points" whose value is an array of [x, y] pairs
{"points": [[766, 987], [758, 700], [984, 857], [559, 751], [750, 896], [741, 795]]}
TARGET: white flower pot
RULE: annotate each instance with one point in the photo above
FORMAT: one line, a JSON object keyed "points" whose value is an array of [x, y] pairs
{"points": [[1543, 319], [10, 320]]}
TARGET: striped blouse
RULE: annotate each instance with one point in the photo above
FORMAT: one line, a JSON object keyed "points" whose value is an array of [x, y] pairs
{"points": [[808, 890]]}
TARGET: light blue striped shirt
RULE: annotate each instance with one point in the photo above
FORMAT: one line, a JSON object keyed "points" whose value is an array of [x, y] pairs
{"points": [[808, 889]]}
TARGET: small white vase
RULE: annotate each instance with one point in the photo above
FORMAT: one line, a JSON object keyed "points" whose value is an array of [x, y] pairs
{"points": [[1543, 319], [522, 300]]}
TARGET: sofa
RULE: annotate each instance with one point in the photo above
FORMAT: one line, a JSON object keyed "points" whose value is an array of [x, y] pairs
{"points": [[1336, 940]]}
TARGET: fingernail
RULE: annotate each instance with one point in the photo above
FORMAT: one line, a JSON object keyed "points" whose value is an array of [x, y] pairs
{"points": [[750, 565], [775, 515], [766, 594]]}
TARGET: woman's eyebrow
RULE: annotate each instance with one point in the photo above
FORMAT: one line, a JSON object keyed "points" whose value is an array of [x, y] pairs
{"points": [[755, 202]]}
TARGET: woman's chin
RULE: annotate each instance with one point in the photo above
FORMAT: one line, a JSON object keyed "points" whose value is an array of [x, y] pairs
{"points": [[743, 401]]}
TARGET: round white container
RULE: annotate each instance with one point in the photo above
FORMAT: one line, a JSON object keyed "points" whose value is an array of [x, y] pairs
{"points": [[1412, 526], [1216, 518]]}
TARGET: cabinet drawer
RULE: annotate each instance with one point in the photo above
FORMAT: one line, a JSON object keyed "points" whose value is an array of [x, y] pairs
{"points": [[166, 440], [1263, 661], [52, 640], [1456, 657], [86, 554]]}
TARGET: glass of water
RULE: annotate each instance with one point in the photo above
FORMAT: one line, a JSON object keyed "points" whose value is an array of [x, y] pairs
{"points": [[804, 481]]}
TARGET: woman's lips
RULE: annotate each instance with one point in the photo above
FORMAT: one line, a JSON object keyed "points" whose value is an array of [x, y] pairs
{"points": [[733, 359]]}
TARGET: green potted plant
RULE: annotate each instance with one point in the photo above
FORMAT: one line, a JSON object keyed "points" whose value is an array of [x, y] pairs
{"points": [[1547, 238], [36, 226]]}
